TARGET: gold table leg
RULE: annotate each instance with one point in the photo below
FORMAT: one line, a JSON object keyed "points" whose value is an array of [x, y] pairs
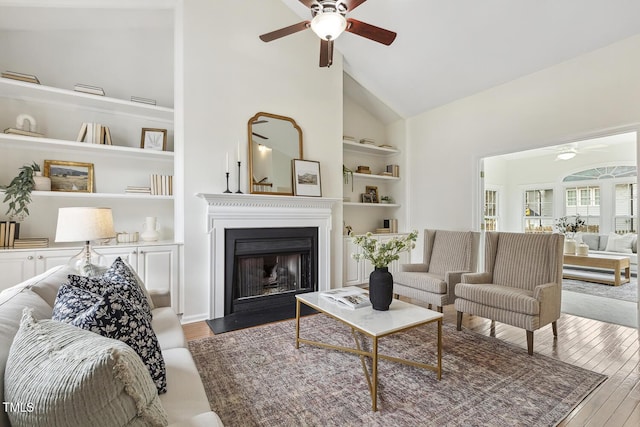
{"points": [[297, 323]]}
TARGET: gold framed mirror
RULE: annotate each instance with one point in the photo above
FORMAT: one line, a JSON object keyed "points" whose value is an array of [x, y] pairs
{"points": [[274, 141]]}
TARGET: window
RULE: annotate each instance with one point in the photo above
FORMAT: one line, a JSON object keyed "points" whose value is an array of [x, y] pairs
{"points": [[585, 201], [625, 215], [538, 211], [491, 210]]}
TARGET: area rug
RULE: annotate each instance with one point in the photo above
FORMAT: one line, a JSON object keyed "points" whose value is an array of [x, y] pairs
{"points": [[625, 292], [256, 377]]}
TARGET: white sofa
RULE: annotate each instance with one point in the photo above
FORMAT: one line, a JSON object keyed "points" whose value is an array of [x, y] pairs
{"points": [[185, 401], [612, 244]]}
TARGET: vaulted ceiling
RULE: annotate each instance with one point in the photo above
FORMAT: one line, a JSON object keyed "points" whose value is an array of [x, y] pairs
{"points": [[451, 49]]}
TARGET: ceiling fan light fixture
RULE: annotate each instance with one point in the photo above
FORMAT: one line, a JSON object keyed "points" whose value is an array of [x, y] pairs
{"points": [[566, 155], [328, 25]]}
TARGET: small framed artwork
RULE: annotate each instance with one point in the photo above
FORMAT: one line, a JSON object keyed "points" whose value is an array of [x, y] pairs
{"points": [[154, 139], [373, 192], [367, 198], [69, 176], [306, 178]]}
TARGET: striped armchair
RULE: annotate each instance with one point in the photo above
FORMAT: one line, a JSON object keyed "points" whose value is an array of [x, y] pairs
{"points": [[447, 255], [521, 285]]}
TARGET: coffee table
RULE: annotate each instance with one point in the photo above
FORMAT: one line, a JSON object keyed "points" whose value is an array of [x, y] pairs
{"points": [[400, 317], [614, 262]]}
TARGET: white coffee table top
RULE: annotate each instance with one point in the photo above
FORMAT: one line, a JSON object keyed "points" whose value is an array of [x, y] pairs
{"points": [[401, 315]]}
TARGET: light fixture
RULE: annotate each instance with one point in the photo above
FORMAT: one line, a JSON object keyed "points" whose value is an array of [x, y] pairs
{"points": [[328, 25], [84, 224], [566, 154]]}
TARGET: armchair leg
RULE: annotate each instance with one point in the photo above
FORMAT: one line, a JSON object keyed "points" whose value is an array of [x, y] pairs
{"points": [[459, 321], [439, 308], [554, 326], [530, 342]]}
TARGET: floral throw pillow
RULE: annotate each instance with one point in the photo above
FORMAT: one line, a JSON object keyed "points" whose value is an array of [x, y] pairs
{"points": [[113, 316], [117, 278]]}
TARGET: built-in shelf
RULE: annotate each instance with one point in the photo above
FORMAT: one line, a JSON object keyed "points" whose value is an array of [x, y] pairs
{"points": [[31, 92], [82, 195], [369, 148], [22, 142], [357, 175], [371, 205]]}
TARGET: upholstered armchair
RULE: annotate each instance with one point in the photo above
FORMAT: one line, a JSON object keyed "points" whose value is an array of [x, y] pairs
{"points": [[521, 285], [447, 255]]}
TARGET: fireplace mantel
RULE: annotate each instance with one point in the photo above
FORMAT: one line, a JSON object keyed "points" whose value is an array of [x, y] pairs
{"points": [[225, 211]]}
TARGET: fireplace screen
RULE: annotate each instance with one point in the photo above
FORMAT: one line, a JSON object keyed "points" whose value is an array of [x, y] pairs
{"points": [[267, 267]]}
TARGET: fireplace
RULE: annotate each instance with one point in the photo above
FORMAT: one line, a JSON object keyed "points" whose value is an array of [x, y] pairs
{"points": [[266, 267]]}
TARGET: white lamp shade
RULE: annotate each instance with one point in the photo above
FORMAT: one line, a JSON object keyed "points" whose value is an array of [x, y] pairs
{"points": [[328, 25], [80, 224]]}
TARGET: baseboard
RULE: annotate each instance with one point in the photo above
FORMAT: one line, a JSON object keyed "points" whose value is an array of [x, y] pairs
{"points": [[193, 318]]}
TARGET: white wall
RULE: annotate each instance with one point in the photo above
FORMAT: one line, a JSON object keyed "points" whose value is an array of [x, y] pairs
{"points": [[230, 75], [594, 93]]}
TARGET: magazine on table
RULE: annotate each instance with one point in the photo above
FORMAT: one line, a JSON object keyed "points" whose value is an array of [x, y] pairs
{"points": [[348, 297]]}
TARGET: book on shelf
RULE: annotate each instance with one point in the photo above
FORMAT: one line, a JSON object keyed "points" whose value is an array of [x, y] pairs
{"points": [[143, 100], [29, 78], [93, 90], [31, 242], [15, 131], [161, 185], [349, 297], [394, 170], [137, 189], [7, 233], [94, 133]]}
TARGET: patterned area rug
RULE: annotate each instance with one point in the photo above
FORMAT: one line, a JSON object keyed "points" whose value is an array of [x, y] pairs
{"points": [[256, 377], [625, 292]]}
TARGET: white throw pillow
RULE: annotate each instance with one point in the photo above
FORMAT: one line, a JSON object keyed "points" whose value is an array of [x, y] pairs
{"points": [[71, 377], [618, 243]]}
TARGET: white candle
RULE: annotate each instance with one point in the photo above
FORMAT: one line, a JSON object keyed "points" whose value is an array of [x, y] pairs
{"points": [[227, 170], [238, 150]]}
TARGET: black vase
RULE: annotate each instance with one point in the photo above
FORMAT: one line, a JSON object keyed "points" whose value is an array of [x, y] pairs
{"points": [[380, 288]]}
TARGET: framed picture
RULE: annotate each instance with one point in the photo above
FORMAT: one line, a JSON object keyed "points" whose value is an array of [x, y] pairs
{"points": [[306, 178], [367, 198], [154, 139], [373, 192], [69, 176]]}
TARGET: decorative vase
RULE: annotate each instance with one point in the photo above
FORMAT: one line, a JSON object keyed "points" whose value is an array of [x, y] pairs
{"points": [[569, 244], [151, 227], [381, 288], [582, 249], [41, 183]]}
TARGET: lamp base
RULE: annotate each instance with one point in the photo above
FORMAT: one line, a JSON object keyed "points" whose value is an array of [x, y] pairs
{"points": [[88, 262]]}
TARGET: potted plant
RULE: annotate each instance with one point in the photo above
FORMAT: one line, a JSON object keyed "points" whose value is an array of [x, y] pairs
{"points": [[569, 227], [346, 174], [381, 254], [18, 192], [386, 199]]}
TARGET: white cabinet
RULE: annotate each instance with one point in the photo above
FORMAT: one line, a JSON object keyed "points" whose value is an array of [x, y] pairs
{"points": [[357, 272], [19, 265]]}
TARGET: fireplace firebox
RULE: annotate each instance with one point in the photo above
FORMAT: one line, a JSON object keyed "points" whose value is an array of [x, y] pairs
{"points": [[266, 267]]}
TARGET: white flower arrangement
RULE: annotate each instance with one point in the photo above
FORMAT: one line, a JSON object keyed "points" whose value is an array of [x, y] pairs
{"points": [[381, 254]]}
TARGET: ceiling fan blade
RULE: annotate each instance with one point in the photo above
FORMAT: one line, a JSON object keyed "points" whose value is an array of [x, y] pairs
{"points": [[308, 3], [352, 4], [370, 32], [285, 31], [258, 135], [326, 53]]}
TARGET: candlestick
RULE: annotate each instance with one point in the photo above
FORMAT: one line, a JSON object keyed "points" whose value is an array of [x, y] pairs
{"points": [[227, 174], [240, 192], [227, 169]]}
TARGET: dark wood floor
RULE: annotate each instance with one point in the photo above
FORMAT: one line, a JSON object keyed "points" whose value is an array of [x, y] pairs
{"points": [[601, 347]]}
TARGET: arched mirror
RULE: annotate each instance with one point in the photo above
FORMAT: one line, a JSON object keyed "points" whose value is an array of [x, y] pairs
{"points": [[274, 141]]}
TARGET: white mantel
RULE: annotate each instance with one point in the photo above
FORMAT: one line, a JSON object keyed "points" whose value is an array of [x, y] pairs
{"points": [[233, 210]]}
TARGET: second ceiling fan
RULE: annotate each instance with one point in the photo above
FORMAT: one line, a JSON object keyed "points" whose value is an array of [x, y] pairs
{"points": [[328, 22]]}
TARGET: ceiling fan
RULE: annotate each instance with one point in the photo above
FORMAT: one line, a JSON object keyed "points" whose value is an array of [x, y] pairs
{"points": [[569, 151], [328, 22]]}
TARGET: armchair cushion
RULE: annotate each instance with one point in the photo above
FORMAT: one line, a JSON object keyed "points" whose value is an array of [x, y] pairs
{"points": [[454, 251], [501, 297], [429, 282], [521, 260], [418, 268]]}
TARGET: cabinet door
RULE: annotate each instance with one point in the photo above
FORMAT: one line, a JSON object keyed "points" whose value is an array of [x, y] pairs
{"points": [[16, 267], [45, 260], [158, 268], [350, 267], [127, 253]]}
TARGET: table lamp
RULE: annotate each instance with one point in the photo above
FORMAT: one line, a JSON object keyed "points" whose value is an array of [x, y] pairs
{"points": [[84, 224]]}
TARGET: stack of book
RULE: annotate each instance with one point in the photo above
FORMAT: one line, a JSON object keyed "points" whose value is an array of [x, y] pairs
{"points": [[15, 131], [161, 185], [94, 133], [31, 242], [383, 230], [394, 170], [93, 90], [20, 76], [8, 231], [363, 169], [367, 141], [138, 190], [143, 100]]}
